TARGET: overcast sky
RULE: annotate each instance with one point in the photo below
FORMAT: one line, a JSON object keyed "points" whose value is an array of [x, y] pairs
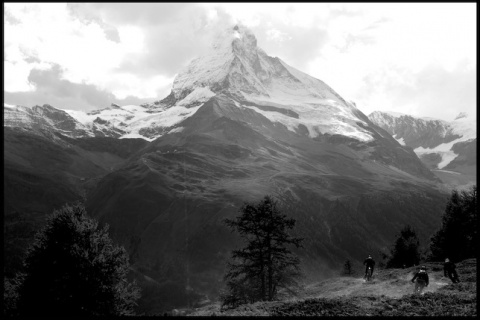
{"points": [[418, 59]]}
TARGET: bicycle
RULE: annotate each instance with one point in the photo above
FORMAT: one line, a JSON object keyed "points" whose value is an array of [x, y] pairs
{"points": [[368, 276]]}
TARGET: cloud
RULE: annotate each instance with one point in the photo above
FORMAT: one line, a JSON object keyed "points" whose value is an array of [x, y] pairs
{"points": [[297, 46], [87, 14], [139, 14], [173, 34], [88, 49], [381, 59], [432, 92], [51, 89], [436, 91], [176, 42], [374, 54], [295, 33]]}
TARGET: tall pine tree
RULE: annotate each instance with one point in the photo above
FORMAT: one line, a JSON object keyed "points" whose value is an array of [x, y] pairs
{"points": [[457, 239], [265, 264]]}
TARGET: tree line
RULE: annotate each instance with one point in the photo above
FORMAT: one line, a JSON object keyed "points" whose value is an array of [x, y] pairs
{"points": [[74, 268], [457, 238]]}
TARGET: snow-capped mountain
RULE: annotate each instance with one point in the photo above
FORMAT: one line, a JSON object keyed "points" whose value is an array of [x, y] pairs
{"points": [[234, 66], [237, 125], [427, 135], [448, 148], [43, 118]]}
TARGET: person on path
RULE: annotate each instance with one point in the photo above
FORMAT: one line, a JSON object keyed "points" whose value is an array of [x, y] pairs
{"points": [[421, 282], [449, 271], [369, 262]]}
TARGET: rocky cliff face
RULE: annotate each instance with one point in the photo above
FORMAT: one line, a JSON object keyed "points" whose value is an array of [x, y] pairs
{"points": [[415, 132]]}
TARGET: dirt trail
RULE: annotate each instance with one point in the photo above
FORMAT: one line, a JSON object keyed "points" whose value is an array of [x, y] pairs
{"points": [[388, 294], [390, 284]]}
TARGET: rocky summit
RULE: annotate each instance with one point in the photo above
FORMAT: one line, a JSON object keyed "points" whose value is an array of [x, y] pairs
{"points": [[237, 125]]}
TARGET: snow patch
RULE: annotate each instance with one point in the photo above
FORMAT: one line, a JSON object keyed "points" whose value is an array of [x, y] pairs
{"points": [[81, 116], [174, 130], [400, 140], [318, 119], [165, 119], [444, 150], [447, 171], [135, 136], [465, 127], [10, 106], [199, 95]]}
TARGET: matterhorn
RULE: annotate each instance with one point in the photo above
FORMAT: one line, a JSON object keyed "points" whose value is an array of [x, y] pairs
{"points": [[237, 125]]}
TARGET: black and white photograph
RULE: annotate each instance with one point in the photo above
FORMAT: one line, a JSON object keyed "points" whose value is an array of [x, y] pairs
{"points": [[240, 159]]}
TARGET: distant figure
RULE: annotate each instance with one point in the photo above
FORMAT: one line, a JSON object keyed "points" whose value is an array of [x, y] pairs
{"points": [[369, 262], [449, 271], [422, 280]]}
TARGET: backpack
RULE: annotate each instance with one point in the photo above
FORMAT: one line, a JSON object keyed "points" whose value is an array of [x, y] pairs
{"points": [[422, 276]]}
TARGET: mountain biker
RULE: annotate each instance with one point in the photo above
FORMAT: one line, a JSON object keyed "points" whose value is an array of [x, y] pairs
{"points": [[449, 271], [369, 262], [422, 280]]}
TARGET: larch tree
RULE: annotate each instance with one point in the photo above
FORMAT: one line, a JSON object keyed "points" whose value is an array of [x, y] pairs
{"points": [[265, 264]]}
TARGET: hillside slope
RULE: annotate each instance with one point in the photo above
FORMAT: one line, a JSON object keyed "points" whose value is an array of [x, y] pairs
{"points": [[389, 294]]}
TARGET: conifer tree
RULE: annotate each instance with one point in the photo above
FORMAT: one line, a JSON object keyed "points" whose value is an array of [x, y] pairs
{"points": [[265, 264], [457, 239], [73, 268], [405, 250]]}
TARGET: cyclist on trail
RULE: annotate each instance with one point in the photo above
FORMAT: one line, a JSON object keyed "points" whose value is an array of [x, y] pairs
{"points": [[449, 271], [422, 280], [369, 262]]}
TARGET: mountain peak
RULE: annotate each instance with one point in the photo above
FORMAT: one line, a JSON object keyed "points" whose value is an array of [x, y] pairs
{"points": [[235, 65], [230, 58], [238, 36]]}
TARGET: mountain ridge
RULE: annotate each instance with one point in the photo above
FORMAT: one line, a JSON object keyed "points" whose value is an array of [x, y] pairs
{"points": [[448, 148]]}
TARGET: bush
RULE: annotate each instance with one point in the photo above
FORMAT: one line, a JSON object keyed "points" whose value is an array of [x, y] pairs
{"points": [[347, 268], [74, 268]]}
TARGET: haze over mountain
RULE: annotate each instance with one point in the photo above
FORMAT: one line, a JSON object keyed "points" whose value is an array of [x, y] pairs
{"points": [[237, 125]]}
